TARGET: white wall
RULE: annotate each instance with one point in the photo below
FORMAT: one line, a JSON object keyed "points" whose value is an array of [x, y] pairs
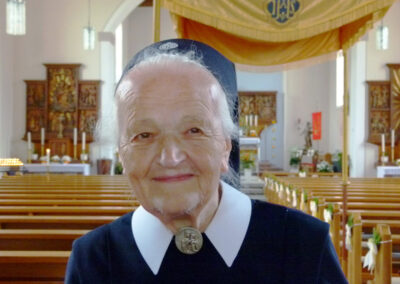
{"points": [[307, 91], [138, 30], [6, 86], [377, 59]]}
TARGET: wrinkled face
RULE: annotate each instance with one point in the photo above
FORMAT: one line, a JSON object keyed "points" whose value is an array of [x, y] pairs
{"points": [[172, 144]]}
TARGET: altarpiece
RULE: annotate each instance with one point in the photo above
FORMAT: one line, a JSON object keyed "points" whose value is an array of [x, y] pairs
{"points": [[59, 104]]}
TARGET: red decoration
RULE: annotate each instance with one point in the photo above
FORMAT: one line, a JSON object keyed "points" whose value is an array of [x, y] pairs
{"points": [[316, 118]]}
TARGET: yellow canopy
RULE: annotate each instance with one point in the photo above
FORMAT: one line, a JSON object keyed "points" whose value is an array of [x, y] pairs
{"points": [[270, 32]]}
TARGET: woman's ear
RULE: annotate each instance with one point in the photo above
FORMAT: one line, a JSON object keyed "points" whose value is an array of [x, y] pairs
{"points": [[225, 157]]}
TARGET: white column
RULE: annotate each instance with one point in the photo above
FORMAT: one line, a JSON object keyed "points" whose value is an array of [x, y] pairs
{"points": [[358, 113]]}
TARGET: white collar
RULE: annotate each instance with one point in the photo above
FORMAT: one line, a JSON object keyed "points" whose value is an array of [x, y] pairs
{"points": [[229, 223]]}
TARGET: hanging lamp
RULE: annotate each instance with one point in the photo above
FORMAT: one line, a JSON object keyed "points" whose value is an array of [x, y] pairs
{"points": [[89, 34], [382, 37], [15, 17]]}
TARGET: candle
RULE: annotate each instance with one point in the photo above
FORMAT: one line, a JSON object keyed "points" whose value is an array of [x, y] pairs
{"points": [[383, 144], [256, 120], [48, 155], [29, 140], [251, 120], [392, 136], [75, 136], [83, 141], [247, 120], [42, 136]]}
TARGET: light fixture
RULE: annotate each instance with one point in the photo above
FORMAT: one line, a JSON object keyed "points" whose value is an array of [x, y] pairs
{"points": [[382, 37], [89, 34], [16, 17]]}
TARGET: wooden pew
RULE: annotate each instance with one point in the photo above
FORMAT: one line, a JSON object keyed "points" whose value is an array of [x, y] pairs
{"points": [[33, 266], [53, 222], [67, 202], [73, 196], [374, 202], [38, 239], [66, 210], [52, 203]]}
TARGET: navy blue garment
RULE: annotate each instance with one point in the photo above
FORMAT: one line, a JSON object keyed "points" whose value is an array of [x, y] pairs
{"points": [[281, 246]]}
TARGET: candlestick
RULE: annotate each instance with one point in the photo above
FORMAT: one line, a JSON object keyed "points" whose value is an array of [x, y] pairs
{"points": [[42, 136], [83, 141], [392, 140], [29, 156], [392, 154], [75, 152], [383, 144], [29, 140], [75, 136], [48, 155]]}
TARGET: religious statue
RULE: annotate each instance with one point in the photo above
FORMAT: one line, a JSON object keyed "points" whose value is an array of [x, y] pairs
{"points": [[60, 126], [307, 132]]}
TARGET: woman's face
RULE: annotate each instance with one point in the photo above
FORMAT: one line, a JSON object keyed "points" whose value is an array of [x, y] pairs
{"points": [[172, 144]]}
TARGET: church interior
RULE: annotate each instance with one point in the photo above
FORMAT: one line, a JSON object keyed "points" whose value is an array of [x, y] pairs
{"points": [[318, 118]]}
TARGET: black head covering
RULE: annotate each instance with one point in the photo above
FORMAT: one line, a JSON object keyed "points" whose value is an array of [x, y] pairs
{"points": [[221, 67]]}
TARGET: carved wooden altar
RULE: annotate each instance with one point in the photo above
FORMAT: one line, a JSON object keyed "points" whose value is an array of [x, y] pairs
{"points": [[59, 104], [384, 109], [257, 111], [260, 104]]}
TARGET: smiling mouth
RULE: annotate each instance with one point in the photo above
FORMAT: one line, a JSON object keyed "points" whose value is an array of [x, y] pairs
{"points": [[175, 178]]}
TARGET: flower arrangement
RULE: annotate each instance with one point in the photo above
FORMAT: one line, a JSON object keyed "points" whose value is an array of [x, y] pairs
{"points": [[295, 157], [294, 161], [246, 161], [324, 167], [66, 159]]}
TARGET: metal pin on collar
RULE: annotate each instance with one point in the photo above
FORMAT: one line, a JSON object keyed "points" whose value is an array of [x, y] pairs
{"points": [[188, 240]]}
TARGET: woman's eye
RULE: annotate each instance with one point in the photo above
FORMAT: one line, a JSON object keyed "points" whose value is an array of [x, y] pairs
{"points": [[194, 130], [142, 136]]}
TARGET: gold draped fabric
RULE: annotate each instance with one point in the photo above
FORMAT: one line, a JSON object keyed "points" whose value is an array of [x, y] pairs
{"points": [[271, 32]]}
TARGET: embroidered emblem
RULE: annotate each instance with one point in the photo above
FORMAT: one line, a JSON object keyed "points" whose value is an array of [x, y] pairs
{"points": [[168, 46], [281, 11]]}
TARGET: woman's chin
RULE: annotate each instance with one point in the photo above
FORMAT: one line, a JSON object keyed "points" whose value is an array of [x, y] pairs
{"points": [[176, 207]]}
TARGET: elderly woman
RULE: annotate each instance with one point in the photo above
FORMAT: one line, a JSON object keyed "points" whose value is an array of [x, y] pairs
{"points": [[175, 129]]}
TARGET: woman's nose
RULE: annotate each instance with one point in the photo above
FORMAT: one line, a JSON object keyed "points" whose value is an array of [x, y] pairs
{"points": [[172, 153]]}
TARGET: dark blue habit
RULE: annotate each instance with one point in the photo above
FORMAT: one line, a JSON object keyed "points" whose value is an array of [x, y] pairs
{"points": [[281, 246]]}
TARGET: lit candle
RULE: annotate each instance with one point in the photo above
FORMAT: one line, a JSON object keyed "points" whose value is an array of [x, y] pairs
{"points": [[392, 136], [83, 141], [48, 155], [75, 136], [42, 136], [383, 144], [29, 140], [256, 120]]}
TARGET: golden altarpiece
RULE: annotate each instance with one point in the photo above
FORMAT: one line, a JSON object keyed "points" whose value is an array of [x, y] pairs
{"points": [[60, 104], [384, 112], [257, 111]]}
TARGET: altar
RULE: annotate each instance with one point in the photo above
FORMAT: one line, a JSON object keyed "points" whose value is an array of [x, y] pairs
{"points": [[252, 146], [388, 171], [83, 169]]}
